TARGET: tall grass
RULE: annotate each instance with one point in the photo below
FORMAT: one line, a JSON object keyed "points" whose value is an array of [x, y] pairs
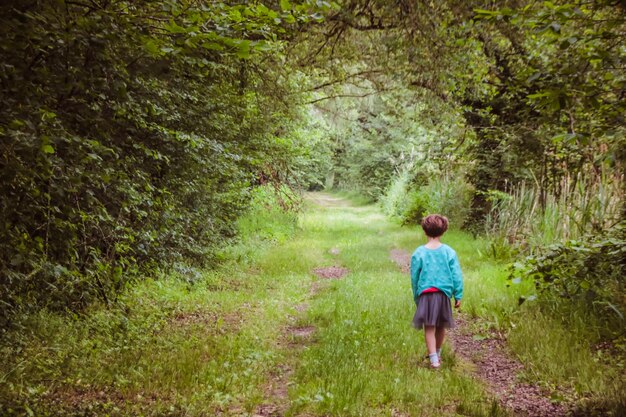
{"points": [[574, 355], [528, 217], [394, 201], [450, 195]]}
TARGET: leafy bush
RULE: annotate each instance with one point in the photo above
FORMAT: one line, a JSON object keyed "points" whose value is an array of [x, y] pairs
{"points": [[273, 214], [416, 207], [440, 194], [131, 136], [449, 195], [395, 199], [314, 160], [586, 275]]}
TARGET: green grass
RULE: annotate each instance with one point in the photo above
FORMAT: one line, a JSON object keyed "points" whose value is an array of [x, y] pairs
{"points": [[191, 343], [366, 360], [564, 361], [198, 343], [356, 198]]}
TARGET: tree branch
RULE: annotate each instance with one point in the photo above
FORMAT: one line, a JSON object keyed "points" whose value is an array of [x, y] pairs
{"points": [[340, 80], [346, 95]]}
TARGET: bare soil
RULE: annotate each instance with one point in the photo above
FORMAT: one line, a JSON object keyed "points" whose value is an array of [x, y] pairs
{"points": [[401, 258], [276, 393], [292, 339], [222, 323], [334, 251], [500, 370], [88, 400], [331, 272], [301, 332], [300, 308]]}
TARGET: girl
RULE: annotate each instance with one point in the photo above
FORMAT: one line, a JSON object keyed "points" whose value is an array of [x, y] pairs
{"points": [[435, 278]]}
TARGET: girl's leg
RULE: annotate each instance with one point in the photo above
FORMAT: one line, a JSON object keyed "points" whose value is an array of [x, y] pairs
{"points": [[429, 335], [440, 335]]}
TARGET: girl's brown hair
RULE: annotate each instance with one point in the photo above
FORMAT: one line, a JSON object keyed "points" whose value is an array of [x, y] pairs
{"points": [[434, 225]]}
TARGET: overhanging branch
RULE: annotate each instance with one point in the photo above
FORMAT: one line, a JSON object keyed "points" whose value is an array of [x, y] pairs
{"points": [[343, 79], [346, 96]]}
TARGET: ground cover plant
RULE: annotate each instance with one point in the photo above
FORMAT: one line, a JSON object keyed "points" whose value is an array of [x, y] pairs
{"points": [[170, 346], [211, 345], [160, 255]]}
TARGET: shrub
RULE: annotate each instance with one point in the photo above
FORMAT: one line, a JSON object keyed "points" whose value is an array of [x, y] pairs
{"points": [[450, 196], [416, 208], [441, 194], [273, 214], [395, 199], [140, 155], [586, 275]]}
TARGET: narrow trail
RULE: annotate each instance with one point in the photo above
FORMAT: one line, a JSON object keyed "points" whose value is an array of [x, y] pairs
{"points": [[346, 347], [490, 360], [295, 337]]}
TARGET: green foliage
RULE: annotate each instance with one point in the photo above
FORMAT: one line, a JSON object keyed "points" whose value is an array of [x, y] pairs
{"points": [[553, 111], [314, 162], [132, 133], [450, 195], [272, 215], [445, 194], [135, 135], [584, 275], [395, 199], [375, 139], [417, 203]]}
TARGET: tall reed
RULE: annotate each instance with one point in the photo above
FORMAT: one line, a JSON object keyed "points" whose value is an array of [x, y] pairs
{"points": [[527, 216]]}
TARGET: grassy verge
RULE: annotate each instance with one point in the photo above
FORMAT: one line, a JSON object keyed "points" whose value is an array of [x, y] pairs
{"points": [[191, 343], [564, 357]]}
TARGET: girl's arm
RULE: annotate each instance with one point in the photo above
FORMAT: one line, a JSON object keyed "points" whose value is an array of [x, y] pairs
{"points": [[457, 277], [416, 268]]}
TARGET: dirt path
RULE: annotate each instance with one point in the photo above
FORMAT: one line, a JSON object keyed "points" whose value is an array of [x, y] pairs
{"points": [[327, 200], [276, 392], [486, 358], [493, 364], [293, 338]]}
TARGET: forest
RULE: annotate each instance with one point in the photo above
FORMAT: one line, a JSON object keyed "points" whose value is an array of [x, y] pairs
{"points": [[203, 204]]}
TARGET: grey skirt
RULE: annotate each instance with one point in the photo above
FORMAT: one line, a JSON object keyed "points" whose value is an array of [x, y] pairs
{"points": [[433, 309]]}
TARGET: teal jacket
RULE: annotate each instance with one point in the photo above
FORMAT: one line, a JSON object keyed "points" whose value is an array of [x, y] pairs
{"points": [[437, 268]]}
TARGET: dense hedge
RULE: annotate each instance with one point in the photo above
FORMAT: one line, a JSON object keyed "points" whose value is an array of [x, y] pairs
{"points": [[131, 135]]}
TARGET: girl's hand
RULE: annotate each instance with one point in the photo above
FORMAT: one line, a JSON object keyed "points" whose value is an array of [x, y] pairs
{"points": [[457, 303]]}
